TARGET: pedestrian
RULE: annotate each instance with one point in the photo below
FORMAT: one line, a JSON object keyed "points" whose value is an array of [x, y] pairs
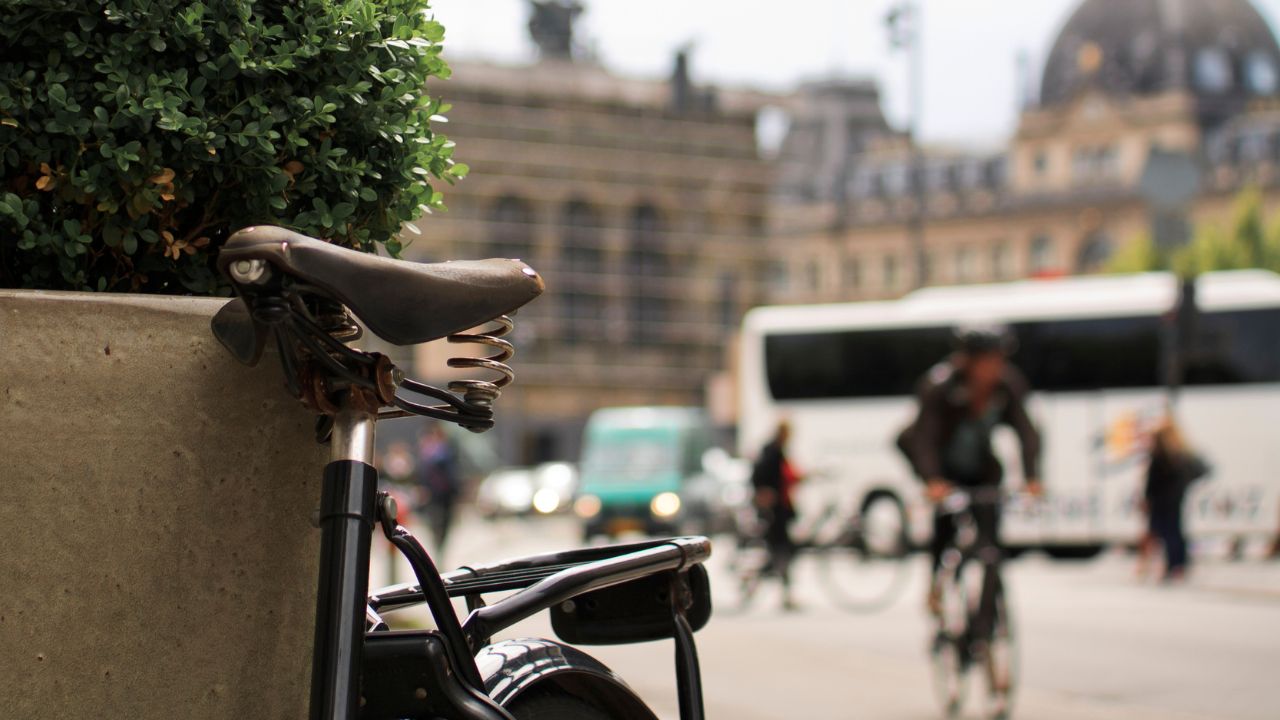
{"points": [[1273, 553], [1172, 470], [774, 480], [961, 402], [439, 481]]}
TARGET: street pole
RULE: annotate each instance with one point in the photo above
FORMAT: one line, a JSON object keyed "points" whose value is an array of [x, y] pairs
{"points": [[906, 22], [1170, 182]]}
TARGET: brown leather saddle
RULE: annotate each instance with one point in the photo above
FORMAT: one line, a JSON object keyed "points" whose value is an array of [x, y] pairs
{"points": [[402, 302]]}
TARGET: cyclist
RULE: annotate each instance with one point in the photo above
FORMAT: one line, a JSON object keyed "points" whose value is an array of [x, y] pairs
{"points": [[961, 401]]}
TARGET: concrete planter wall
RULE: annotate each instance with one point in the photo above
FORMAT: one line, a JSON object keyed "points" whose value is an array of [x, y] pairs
{"points": [[156, 554]]}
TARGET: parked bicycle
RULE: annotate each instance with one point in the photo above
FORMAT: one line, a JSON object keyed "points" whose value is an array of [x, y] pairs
{"points": [[973, 627], [301, 297], [861, 560]]}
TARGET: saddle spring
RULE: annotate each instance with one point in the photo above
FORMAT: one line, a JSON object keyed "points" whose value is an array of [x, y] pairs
{"points": [[484, 392]]}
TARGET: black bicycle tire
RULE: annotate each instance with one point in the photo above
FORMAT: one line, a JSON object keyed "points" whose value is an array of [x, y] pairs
{"points": [[1003, 621], [830, 556], [948, 639], [554, 705]]}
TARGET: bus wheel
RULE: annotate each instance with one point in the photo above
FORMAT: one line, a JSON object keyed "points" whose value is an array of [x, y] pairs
{"points": [[884, 526]]}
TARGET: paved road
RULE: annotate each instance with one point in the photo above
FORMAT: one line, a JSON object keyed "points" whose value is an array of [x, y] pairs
{"points": [[1096, 644]]}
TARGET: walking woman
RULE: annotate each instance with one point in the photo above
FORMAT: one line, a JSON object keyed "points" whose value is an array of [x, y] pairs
{"points": [[1172, 470], [774, 480]]}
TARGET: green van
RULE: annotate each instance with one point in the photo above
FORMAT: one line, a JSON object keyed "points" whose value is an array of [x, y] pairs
{"points": [[642, 471]]}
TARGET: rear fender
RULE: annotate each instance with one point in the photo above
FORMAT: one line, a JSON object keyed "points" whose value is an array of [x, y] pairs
{"points": [[512, 668]]}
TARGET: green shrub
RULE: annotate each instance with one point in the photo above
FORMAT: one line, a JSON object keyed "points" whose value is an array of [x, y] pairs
{"points": [[136, 135]]}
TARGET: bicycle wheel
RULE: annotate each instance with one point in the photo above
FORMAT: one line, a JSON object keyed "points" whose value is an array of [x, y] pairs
{"points": [[1000, 666], [550, 705], [856, 578], [949, 653], [749, 565]]}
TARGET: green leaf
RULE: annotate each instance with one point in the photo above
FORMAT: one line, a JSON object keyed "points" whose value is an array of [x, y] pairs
{"points": [[223, 95]]}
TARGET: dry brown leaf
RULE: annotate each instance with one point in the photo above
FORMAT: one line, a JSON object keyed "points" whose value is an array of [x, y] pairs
{"points": [[164, 177]]}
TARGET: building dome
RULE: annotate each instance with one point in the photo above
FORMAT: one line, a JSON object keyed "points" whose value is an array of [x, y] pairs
{"points": [[1223, 51]]}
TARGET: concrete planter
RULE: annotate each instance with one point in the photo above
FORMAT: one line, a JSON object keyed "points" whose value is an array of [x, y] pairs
{"points": [[156, 554]]}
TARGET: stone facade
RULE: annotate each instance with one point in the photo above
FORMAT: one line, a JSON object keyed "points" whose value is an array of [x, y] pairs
{"points": [[641, 202], [656, 221], [1064, 193]]}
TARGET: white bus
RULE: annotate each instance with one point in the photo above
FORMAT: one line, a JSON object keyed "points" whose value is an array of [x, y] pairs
{"points": [[1091, 347]]}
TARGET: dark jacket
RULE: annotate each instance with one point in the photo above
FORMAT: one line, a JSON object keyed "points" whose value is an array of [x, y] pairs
{"points": [[1168, 477], [438, 472], [767, 474], [944, 404]]}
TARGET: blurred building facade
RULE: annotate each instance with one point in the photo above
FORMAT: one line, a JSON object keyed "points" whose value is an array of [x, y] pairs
{"points": [[656, 221], [1196, 76], [641, 202]]}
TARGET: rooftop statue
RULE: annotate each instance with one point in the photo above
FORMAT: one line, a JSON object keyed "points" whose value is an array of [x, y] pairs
{"points": [[551, 26]]}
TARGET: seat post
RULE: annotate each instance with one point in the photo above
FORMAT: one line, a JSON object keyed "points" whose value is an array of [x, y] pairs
{"points": [[352, 435], [347, 518]]}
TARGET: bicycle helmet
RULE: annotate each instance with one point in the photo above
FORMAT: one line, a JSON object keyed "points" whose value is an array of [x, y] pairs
{"points": [[982, 338]]}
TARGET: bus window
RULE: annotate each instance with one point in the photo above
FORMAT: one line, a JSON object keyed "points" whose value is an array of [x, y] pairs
{"points": [[1055, 355], [1241, 346], [1072, 355], [850, 364]]}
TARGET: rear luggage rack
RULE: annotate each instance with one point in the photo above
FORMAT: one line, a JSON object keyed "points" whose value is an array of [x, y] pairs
{"points": [[612, 564]]}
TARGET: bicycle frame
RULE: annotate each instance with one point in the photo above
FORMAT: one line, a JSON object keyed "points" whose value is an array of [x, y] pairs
{"points": [[961, 505], [350, 630], [972, 633], [294, 294], [347, 516]]}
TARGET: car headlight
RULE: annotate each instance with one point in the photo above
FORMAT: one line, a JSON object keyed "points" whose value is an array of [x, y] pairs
{"points": [[546, 501], [587, 506], [665, 505]]}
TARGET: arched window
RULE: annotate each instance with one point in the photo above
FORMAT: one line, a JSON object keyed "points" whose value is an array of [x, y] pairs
{"points": [[813, 276], [728, 301], [966, 269], [581, 269], [649, 271], [1261, 74], [890, 273], [510, 228], [1094, 253], [852, 274], [1043, 256], [1213, 70], [1001, 261]]}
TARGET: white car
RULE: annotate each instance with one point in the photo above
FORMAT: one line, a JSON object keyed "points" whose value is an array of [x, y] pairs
{"points": [[542, 490]]}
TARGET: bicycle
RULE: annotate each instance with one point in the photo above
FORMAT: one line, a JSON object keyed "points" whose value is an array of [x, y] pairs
{"points": [[971, 610], [862, 567], [302, 297]]}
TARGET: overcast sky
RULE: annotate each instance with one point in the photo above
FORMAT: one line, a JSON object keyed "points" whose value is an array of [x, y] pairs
{"points": [[971, 47]]}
